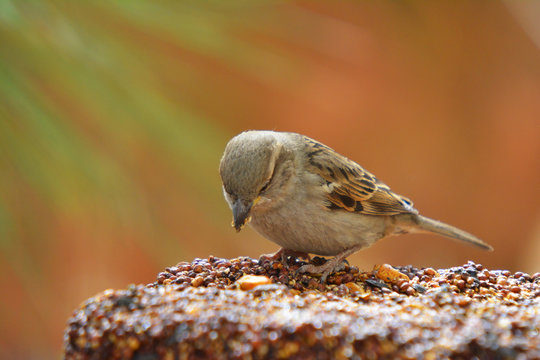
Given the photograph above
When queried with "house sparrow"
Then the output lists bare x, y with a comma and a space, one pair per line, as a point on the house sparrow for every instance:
307, 198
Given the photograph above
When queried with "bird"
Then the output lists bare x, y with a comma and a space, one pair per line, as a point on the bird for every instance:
309, 199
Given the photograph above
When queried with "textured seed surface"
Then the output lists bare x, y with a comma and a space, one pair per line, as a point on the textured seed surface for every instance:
260, 309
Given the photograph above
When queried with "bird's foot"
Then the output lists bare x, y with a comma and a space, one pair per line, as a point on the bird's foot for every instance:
283, 254
330, 266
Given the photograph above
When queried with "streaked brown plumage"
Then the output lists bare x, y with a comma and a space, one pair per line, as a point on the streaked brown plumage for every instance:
351, 187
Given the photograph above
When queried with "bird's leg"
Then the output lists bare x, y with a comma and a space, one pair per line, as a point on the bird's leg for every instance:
329, 266
283, 253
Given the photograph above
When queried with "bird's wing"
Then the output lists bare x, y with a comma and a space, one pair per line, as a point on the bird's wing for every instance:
350, 187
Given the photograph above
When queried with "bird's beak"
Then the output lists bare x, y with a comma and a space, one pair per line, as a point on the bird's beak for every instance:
241, 211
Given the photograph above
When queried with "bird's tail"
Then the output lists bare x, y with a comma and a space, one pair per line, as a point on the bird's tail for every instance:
418, 223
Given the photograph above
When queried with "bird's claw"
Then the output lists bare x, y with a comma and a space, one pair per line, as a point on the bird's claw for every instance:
314, 269
283, 254
329, 267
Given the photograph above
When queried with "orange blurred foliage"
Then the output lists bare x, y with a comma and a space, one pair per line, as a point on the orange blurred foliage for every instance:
113, 119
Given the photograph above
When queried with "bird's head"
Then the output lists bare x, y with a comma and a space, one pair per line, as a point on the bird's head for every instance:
247, 171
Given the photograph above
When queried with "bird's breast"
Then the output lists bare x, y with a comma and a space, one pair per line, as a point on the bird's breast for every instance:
308, 226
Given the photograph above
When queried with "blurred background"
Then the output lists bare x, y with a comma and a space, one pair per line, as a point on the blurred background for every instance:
114, 116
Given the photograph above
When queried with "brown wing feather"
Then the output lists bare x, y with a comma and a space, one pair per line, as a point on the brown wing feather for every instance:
352, 188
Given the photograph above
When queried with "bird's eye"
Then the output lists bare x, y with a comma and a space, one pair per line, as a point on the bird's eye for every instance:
269, 181
265, 186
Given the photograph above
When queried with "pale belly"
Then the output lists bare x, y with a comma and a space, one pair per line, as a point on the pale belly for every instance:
317, 230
